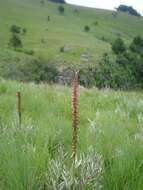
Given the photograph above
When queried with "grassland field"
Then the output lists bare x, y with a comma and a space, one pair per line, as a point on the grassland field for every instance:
110, 123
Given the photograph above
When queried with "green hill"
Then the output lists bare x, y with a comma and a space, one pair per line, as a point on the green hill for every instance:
63, 31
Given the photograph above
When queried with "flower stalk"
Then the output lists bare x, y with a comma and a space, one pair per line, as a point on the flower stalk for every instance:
75, 115
18, 95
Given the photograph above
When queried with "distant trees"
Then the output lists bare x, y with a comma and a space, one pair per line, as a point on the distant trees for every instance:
58, 1
124, 70
61, 9
128, 9
118, 46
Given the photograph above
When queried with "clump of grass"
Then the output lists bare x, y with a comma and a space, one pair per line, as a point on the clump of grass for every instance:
86, 174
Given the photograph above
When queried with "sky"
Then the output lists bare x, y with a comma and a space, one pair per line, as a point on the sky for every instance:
109, 4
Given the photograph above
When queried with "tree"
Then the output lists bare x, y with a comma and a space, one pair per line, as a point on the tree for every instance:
58, 1
118, 46
24, 30
15, 29
137, 45
87, 28
128, 9
15, 41
61, 9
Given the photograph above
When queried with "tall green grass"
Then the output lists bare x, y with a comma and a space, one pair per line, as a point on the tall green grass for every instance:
38, 156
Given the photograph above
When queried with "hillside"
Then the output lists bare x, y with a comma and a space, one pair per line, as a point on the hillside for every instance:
47, 38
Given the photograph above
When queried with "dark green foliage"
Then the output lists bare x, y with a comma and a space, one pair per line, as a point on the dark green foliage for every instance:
87, 76
128, 9
24, 30
48, 73
96, 23
39, 71
61, 9
15, 29
86, 28
48, 18
15, 41
124, 71
31, 70
118, 46
58, 1
137, 45
62, 49
26, 51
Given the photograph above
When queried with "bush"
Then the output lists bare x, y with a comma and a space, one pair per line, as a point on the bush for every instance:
118, 46
87, 76
61, 9
48, 73
95, 23
30, 69
86, 28
27, 51
15, 29
24, 30
15, 41
137, 45
62, 49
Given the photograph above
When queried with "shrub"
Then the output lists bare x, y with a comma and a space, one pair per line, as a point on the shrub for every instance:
61, 9
86, 28
62, 49
137, 45
118, 46
48, 18
87, 76
96, 23
15, 29
15, 41
48, 73
24, 30
28, 51
30, 69
39, 71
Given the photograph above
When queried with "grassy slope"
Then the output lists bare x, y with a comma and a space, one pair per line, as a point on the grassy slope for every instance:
66, 30
110, 122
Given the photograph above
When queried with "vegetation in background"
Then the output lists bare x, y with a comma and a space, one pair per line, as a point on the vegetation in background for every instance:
61, 9
67, 31
87, 28
58, 1
118, 46
128, 9
15, 41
